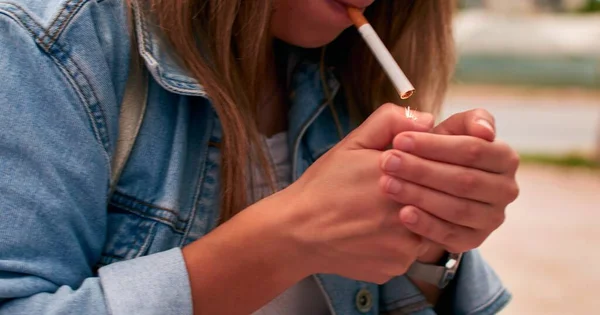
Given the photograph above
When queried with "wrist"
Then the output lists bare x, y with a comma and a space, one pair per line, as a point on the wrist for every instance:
433, 255
249, 259
290, 224
277, 230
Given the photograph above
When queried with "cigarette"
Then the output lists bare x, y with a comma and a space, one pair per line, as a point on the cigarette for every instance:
383, 55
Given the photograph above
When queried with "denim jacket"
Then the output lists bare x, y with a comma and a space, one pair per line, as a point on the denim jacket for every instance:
64, 247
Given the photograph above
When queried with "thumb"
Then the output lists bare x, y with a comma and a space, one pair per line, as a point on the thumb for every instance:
476, 123
379, 130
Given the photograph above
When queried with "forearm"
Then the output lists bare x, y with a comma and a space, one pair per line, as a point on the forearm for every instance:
245, 263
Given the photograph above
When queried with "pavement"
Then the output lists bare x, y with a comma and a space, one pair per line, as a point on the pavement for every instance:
536, 121
547, 250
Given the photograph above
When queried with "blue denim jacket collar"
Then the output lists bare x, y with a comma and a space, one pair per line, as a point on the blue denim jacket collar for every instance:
308, 98
159, 59
167, 70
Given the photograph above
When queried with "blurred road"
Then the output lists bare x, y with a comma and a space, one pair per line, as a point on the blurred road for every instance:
548, 122
532, 49
547, 250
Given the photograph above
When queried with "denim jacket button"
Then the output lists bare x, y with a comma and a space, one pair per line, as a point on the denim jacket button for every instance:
364, 301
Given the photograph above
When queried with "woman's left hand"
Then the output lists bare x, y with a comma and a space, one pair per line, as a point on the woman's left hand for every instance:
457, 182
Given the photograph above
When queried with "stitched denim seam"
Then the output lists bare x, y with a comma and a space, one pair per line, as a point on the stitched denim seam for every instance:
142, 249
67, 12
483, 308
199, 185
184, 83
173, 85
145, 208
144, 203
160, 220
90, 99
35, 29
409, 309
113, 257
398, 303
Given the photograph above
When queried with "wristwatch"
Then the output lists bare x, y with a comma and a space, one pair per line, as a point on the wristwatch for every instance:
438, 274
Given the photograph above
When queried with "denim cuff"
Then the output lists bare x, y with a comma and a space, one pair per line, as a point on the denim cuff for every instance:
477, 289
154, 284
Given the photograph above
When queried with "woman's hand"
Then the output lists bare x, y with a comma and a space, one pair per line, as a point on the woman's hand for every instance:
345, 224
457, 186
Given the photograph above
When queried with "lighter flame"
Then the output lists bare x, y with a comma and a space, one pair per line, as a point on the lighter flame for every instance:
409, 114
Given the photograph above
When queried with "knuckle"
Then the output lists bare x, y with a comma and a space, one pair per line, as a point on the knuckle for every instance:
475, 242
467, 183
500, 219
402, 268
463, 248
474, 153
513, 191
513, 160
456, 248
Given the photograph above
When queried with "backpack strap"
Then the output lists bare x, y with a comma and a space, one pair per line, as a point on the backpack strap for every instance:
133, 108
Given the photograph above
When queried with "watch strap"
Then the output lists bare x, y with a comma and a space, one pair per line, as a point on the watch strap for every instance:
440, 274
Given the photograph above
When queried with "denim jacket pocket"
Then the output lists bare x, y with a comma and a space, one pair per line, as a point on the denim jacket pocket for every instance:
133, 225
128, 235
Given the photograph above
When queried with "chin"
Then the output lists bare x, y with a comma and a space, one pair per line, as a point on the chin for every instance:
314, 40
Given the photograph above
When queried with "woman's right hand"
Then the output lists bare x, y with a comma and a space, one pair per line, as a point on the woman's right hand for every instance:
346, 225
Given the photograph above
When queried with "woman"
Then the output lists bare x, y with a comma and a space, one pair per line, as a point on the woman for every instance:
235, 86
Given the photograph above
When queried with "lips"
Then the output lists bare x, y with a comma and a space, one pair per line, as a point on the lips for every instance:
338, 14
361, 4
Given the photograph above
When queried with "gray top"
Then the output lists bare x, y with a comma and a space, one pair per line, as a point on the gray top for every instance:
306, 296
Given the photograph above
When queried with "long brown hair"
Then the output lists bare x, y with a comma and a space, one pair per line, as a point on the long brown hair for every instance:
224, 44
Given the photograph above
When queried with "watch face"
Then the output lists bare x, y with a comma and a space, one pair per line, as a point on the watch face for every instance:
447, 278
451, 268
451, 263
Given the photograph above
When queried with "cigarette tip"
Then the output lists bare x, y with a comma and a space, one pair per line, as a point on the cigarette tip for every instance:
407, 94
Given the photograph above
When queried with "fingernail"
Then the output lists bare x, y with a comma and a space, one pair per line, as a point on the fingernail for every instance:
392, 163
486, 124
406, 144
410, 217
394, 186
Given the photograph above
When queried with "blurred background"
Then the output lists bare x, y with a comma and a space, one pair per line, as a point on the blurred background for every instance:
535, 65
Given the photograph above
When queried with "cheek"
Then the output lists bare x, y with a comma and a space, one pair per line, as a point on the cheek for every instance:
308, 23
